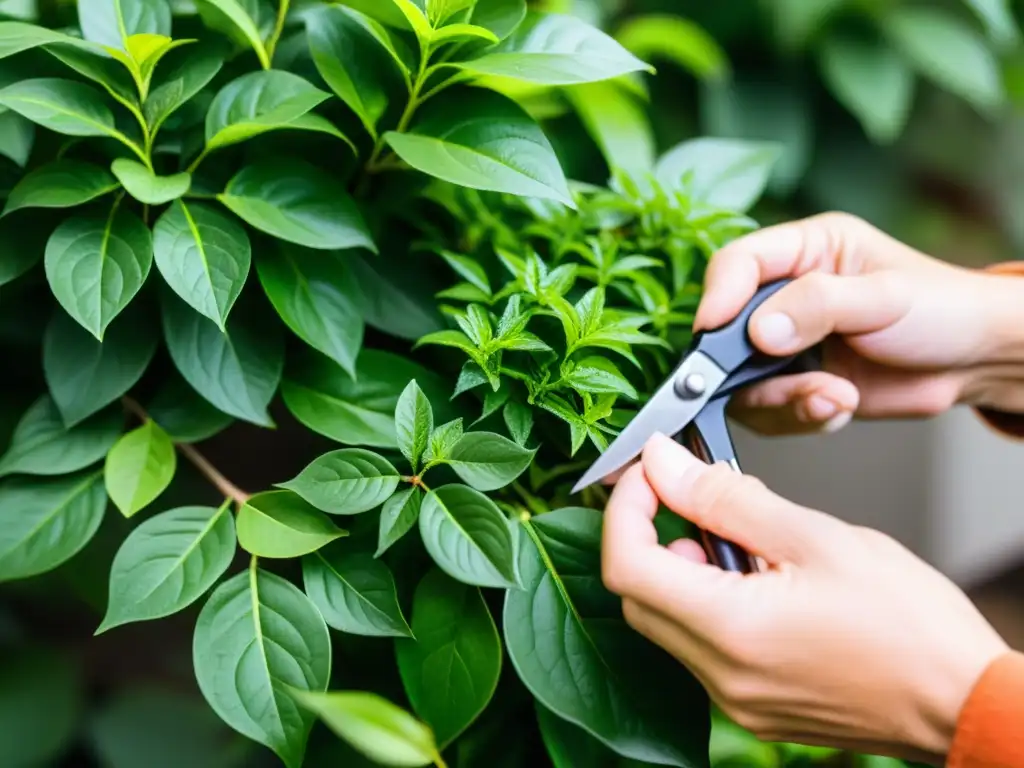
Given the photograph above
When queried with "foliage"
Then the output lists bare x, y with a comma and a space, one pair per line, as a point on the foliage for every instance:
367, 208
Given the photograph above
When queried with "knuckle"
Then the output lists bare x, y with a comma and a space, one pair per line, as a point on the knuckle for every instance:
616, 578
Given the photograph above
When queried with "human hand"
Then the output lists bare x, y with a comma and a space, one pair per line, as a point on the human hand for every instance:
847, 640
907, 335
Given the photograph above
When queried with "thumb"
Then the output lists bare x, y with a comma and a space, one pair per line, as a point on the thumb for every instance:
737, 507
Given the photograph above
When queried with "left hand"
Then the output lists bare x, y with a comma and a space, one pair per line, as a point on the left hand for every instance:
848, 640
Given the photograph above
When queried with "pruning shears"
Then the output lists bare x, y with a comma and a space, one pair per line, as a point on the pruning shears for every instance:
691, 405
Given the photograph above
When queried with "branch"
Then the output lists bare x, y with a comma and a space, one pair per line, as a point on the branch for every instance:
210, 472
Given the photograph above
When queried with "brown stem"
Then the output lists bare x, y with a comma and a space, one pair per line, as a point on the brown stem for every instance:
210, 472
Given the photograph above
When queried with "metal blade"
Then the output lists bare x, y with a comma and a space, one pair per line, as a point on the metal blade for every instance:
672, 407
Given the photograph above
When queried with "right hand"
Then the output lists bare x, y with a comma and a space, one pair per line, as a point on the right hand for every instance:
906, 335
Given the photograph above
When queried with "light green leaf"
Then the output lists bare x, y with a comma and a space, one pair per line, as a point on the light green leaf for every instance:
112, 22
499, 16
257, 637
469, 537
397, 517
355, 592
139, 468
231, 13
60, 184
997, 16
439, 11
354, 56
249, 359
295, 201
184, 414
204, 256
676, 39
360, 410
18, 36
42, 445
84, 375
729, 174
17, 136
314, 295
378, 729
556, 49
176, 87
488, 461
482, 140
95, 265
450, 670
46, 522
167, 563
596, 672
414, 421
797, 21
64, 106
416, 19
348, 481
947, 52
617, 123
456, 32
279, 524
145, 186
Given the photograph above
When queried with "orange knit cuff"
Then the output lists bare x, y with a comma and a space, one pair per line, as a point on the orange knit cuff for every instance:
1006, 424
989, 733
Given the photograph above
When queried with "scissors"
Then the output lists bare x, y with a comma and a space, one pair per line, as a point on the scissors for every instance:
691, 404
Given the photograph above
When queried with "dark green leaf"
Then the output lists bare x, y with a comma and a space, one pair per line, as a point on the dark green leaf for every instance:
314, 295
145, 186
469, 537
295, 201
499, 16
204, 256
596, 672
60, 184
45, 522
42, 445
112, 22
64, 106
451, 669
480, 139
17, 135
183, 414
414, 421
96, 265
519, 420
85, 375
722, 173
279, 524
348, 481
354, 591
257, 636
190, 75
393, 298
249, 359
22, 244
488, 461
95, 64
168, 563
598, 375
442, 440
139, 468
397, 517
618, 123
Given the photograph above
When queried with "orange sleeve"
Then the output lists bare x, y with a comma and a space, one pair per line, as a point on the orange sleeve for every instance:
989, 732
1007, 424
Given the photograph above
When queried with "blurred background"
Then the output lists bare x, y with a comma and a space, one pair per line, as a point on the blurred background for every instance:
907, 113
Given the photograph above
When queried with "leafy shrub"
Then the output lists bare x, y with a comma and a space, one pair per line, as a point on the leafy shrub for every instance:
354, 207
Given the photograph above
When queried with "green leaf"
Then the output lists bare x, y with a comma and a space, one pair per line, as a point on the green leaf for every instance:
84, 375
354, 56
145, 186
947, 52
348, 481
500, 16
17, 36
729, 174
469, 537
258, 102
60, 184
112, 22
617, 122
279, 524
228, 14
395, 298
249, 359
397, 517
295, 201
797, 21
355, 592
64, 106
442, 440
416, 19
17, 136
595, 671
167, 563
184, 414
359, 410
872, 81
469, 268
556, 49
256, 637
676, 39
22, 244
96, 265
480, 139
598, 375
42, 445
182, 82
46, 522
378, 729
519, 420
569, 745
997, 16
462, 32
414, 421
139, 468
450, 670
204, 256
488, 461
439, 11
99, 66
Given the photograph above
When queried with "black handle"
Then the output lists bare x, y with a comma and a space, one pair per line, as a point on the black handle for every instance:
726, 555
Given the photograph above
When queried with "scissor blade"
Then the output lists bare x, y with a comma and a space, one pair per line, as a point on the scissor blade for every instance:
666, 412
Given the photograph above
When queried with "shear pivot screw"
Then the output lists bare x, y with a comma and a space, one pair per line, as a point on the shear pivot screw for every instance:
691, 386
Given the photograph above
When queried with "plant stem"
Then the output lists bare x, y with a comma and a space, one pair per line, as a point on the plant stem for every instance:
195, 163
275, 36
439, 761
408, 112
210, 472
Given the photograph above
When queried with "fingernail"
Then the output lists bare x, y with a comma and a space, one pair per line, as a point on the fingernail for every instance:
837, 422
777, 330
820, 408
